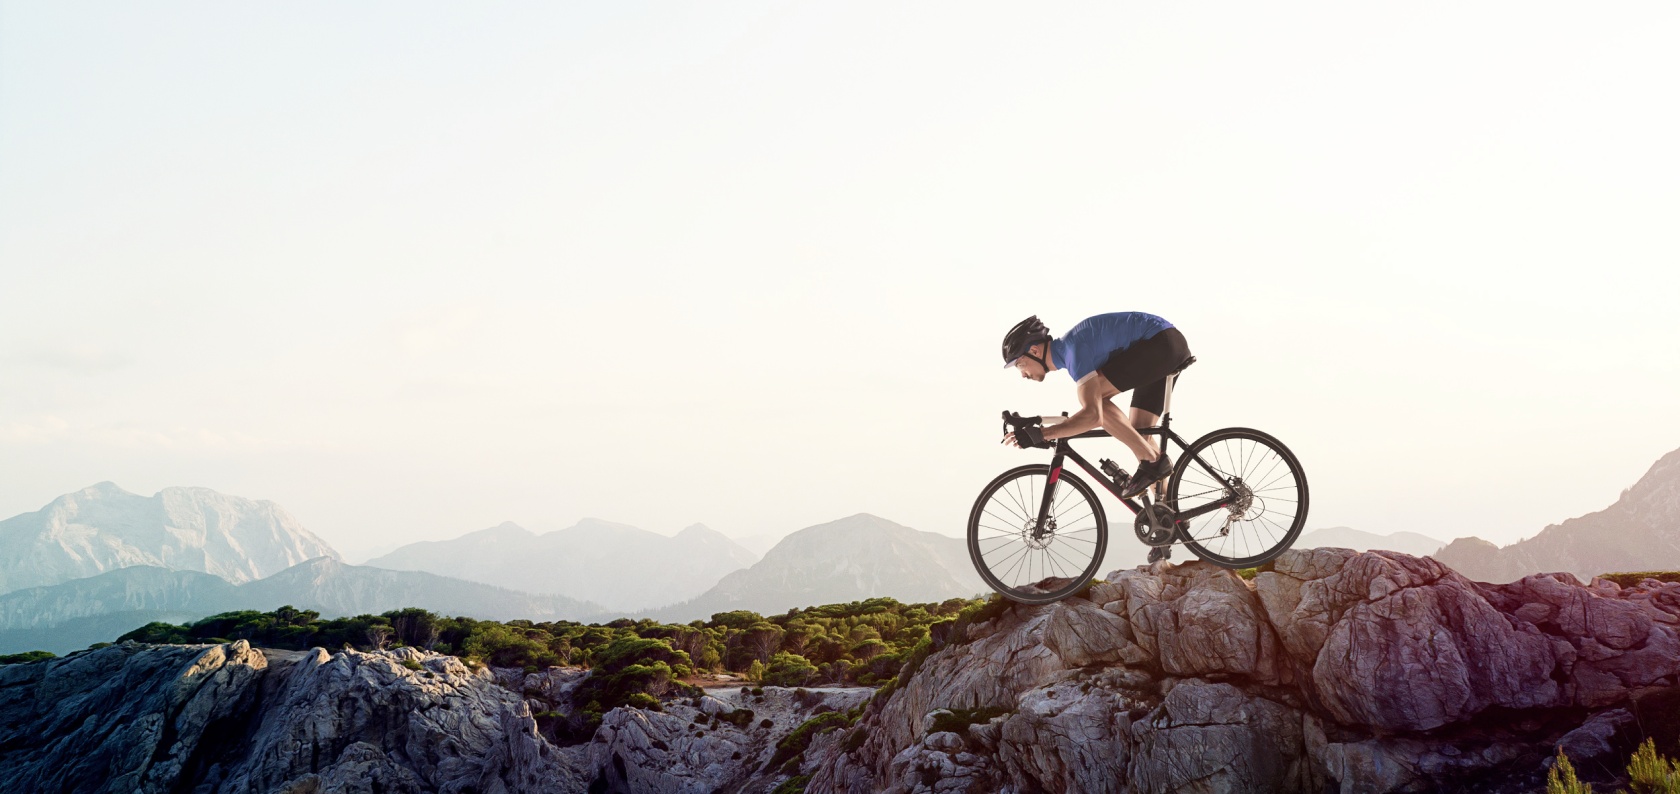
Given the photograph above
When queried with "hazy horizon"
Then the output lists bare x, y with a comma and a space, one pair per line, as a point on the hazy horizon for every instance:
412, 271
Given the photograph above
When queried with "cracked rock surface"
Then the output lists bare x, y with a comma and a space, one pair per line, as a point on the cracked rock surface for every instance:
1331, 671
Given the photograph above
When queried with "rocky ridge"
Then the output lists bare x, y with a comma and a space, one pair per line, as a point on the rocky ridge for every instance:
1332, 671
1335, 671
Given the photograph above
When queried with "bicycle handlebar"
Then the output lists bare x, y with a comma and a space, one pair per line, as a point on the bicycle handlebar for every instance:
1013, 421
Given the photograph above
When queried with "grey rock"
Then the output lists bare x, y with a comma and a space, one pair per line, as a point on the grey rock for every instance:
1335, 670
1593, 739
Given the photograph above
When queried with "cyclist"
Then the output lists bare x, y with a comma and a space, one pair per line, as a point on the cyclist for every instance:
1105, 355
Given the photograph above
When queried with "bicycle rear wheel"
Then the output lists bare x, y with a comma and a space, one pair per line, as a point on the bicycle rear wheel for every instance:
1271, 491
1029, 567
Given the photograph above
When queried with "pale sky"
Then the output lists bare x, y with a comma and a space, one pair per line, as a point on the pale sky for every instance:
411, 270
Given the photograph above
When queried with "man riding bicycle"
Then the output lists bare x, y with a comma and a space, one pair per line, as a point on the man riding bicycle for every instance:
1105, 355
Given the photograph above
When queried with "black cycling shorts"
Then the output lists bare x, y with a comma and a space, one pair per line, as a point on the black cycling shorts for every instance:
1142, 369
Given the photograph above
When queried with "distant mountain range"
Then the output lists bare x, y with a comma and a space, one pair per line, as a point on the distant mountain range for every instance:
620, 566
1348, 538
1640, 532
103, 528
855, 558
73, 614
99, 562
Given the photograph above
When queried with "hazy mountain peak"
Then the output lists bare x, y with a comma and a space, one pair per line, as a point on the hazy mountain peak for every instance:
699, 530
625, 567
596, 527
505, 531
1412, 543
1639, 532
857, 557
103, 527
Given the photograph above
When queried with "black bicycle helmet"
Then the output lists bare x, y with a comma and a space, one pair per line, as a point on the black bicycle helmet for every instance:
1024, 335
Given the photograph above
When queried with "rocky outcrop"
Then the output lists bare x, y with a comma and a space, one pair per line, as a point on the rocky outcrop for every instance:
670, 751
1333, 671
226, 718
1640, 532
230, 719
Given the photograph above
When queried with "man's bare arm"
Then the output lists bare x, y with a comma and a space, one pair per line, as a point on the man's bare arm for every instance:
1092, 392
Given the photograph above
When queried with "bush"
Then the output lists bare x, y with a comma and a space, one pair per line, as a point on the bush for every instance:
958, 720
790, 670
629, 666
507, 646
28, 656
1634, 578
1651, 773
739, 717
793, 785
793, 745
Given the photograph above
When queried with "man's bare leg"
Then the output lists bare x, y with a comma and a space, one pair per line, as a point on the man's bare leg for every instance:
1119, 426
1142, 419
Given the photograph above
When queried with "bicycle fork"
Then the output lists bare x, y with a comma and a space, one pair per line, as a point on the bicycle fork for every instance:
1041, 526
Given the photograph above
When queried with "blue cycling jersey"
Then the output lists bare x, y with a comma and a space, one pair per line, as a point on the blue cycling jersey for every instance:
1092, 340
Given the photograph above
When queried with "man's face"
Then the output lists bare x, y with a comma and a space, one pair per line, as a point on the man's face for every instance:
1029, 367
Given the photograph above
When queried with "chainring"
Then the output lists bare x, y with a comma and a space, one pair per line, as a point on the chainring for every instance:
1154, 525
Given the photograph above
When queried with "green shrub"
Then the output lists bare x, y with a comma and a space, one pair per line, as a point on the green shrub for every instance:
738, 717
793, 745
793, 785
790, 670
1561, 779
1634, 578
1650, 773
411, 664
958, 720
27, 657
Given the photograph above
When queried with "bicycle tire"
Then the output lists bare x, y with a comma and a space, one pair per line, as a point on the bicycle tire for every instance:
1210, 448
1033, 593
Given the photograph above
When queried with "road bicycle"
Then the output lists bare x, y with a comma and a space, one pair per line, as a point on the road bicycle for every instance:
1236, 497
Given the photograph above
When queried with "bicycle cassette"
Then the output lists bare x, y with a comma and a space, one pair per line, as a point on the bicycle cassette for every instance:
1154, 525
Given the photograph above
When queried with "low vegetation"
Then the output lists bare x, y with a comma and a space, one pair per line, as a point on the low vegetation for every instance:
1631, 579
1648, 773
634, 662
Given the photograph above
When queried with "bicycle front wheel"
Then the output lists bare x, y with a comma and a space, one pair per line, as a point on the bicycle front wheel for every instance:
1049, 564
1267, 485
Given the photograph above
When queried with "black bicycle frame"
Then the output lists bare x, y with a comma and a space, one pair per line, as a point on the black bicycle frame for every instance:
1064, 450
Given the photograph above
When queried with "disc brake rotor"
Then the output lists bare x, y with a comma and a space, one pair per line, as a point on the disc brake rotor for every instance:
1039, 541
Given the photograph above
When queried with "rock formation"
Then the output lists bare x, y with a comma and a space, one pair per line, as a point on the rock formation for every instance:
1335, 671
1332, 671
